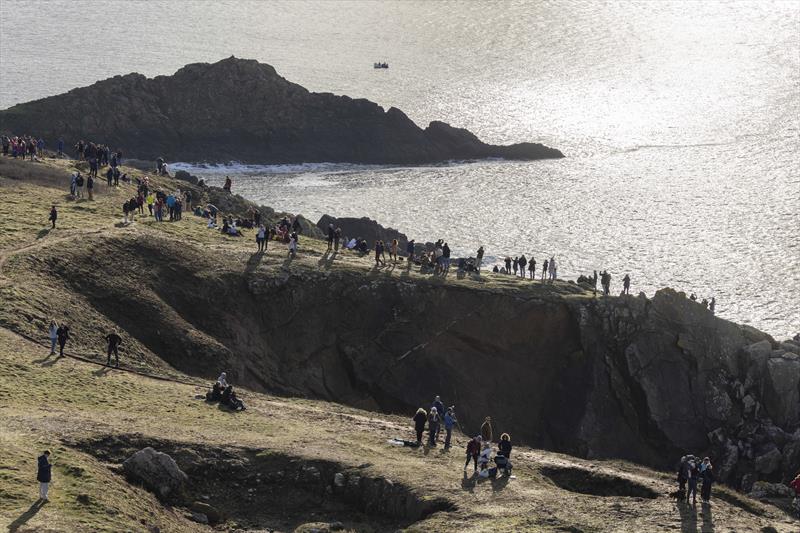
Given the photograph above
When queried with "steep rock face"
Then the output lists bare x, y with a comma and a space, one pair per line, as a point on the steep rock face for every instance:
363, 227
243, 110
630, 377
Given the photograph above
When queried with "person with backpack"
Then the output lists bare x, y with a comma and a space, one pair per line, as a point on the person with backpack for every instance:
44, 474
419, 423
114, 341
53, 216
449, 421
62, 334
508, 265
683, 476
473, 449
433, 426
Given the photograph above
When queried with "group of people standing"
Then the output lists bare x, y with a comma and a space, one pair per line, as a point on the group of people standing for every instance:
523, 267
691, 472
21, 146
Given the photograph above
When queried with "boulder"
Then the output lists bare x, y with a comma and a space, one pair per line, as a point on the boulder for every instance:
768, 462
185, 176
790, 460
212, 514
157, 471
763, 489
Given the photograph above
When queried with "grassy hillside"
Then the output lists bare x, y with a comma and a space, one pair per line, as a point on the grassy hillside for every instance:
272, 466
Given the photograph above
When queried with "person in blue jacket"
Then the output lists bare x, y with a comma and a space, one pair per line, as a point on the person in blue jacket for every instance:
43, 475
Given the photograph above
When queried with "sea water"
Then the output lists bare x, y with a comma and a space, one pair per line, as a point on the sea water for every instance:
680, 122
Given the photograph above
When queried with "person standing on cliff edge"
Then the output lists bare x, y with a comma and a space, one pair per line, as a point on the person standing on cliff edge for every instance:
228, 184
626, 284
479, 259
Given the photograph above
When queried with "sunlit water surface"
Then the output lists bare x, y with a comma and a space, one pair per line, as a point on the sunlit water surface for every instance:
680, 122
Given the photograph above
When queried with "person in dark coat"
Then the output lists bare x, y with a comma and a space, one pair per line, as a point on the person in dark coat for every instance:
692, 474
707, 476
505, 445
508, 265
114, 341
419, 423
53, 216
43, 474
486, 430
62, 334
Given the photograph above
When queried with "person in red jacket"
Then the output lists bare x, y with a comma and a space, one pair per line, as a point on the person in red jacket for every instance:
795, 484
473, 449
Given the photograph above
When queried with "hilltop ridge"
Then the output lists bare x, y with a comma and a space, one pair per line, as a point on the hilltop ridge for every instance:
242, 110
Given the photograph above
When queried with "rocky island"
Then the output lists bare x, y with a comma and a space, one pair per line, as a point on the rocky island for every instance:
242, 110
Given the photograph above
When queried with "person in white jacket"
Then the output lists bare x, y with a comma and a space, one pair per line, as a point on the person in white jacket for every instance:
53, 331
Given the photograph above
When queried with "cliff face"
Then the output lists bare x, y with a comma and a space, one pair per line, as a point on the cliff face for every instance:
243, 110
628, 377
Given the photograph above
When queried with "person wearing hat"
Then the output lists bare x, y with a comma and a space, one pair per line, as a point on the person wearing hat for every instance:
114, 341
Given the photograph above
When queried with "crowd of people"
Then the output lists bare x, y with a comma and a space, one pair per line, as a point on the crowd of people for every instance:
22, 146
479, 450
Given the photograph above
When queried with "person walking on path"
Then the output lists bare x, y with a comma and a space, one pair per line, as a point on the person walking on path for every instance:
44, 474
626, 284
62, 333
53, 331
419, 423
449, 421
479, 259
114, 341
707, 475
473, 449
532, 268
433, 426
53, 216
486, 429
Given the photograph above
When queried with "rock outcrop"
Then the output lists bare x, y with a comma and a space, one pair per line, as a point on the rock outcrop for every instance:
364, 227
157, 471
243, 110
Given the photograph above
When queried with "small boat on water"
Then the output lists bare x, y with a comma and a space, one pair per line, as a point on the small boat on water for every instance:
380, 65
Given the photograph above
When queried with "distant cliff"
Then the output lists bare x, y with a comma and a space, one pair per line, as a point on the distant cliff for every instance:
239, 109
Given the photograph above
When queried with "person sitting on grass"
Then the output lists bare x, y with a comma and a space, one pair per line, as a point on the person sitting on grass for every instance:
215, 394
229, 399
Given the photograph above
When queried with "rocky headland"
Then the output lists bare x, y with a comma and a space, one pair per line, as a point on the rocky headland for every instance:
242, 110
332, 357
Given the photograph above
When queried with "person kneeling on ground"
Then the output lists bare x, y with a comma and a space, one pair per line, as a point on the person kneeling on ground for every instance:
229, 398
503, 463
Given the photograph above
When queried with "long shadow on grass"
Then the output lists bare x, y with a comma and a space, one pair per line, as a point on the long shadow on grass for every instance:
24, 517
